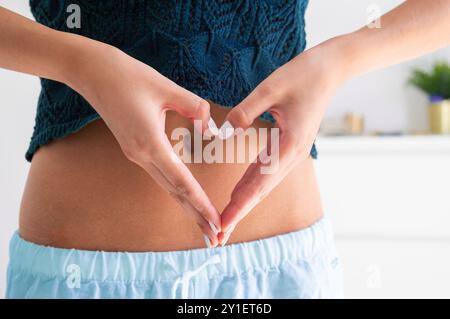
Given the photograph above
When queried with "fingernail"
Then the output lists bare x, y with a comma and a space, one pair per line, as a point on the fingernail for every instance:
226, 237
207, 241
214, 228
208, 134
226, 130
212, 129
227, 234
212, 126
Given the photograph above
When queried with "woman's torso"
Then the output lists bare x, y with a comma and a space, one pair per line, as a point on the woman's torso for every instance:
83, 193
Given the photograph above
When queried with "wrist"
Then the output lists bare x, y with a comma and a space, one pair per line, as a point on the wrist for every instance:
82, 61
335, 60
338, 58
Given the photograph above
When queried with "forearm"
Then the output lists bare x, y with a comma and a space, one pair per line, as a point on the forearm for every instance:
415, 28
29, 47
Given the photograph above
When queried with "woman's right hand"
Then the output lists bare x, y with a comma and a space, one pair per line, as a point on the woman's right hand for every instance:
132, 98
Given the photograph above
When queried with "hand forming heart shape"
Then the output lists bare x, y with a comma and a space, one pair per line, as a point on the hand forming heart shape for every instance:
298, 105
136, 114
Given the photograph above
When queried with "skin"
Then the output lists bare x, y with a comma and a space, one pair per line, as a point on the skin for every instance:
414, 28
82, 192
135, 114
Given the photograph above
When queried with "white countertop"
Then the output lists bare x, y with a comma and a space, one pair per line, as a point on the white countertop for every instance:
386, 185
388, 197
395, 144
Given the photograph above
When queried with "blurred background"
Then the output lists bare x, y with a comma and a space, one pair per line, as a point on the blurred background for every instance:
384, 154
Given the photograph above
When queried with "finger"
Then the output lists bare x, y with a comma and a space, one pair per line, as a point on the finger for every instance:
203, 224
193, 107
224, 237
184, 183
254, 185
245, 113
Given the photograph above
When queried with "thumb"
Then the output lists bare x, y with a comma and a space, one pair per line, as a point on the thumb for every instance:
193, 107
245, 113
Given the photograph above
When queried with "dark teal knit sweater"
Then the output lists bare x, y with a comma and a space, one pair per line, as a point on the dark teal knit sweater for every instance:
218, 49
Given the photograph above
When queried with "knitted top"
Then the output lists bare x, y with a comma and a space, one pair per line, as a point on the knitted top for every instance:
218, 49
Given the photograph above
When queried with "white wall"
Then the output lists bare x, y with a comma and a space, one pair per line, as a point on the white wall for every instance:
18, 96
388, 199
388, 106
383, 97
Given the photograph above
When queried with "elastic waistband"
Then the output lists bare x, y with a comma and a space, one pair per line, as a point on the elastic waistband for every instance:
158, 266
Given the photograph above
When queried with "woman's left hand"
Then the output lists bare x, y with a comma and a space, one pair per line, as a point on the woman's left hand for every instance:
296, 95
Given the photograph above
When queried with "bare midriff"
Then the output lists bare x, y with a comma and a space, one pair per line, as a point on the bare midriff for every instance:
83, 193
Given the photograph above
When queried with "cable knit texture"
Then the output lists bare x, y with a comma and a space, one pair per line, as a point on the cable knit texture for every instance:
218, 49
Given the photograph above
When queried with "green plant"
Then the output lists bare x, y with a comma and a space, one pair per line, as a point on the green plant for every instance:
435, 83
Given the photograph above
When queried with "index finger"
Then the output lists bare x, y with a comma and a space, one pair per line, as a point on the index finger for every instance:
184, 184
255, 184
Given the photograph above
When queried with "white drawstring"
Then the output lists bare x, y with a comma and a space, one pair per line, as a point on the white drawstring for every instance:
184, 279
